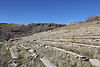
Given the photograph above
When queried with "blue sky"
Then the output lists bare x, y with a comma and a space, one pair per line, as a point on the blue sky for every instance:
47, 11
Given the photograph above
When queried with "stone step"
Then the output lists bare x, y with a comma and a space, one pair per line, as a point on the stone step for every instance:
80, 57
47, 62
95, 62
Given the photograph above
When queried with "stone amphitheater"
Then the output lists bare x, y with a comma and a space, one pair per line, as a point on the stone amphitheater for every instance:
76, 45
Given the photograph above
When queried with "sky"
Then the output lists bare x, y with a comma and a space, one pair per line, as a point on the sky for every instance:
47, 11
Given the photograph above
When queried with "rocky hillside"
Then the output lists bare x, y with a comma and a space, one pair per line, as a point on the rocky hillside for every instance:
93, 18
8, 31
76, 45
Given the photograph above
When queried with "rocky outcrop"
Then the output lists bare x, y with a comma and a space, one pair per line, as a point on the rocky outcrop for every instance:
93, 18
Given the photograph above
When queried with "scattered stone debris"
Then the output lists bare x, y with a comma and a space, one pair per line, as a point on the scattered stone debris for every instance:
12, 63
15, 39
32, 52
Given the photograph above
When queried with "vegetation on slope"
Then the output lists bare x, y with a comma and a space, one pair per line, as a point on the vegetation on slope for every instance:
4, 55
8, 31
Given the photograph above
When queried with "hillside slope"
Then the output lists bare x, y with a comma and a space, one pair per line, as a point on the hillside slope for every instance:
8, 31
76, 45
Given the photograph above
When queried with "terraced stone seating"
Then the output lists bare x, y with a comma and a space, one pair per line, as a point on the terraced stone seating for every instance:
76, 45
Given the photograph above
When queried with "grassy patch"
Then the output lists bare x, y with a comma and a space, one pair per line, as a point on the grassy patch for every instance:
61, 59
90, 52
4, 53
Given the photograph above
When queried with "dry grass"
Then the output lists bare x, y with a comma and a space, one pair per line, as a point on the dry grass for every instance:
4, 52
61, 59
71, 36
90, 52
